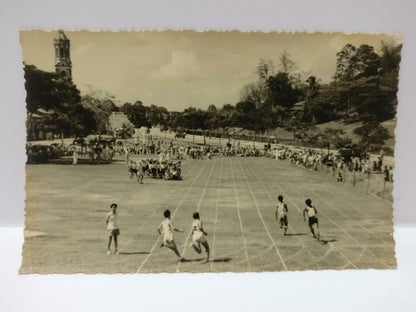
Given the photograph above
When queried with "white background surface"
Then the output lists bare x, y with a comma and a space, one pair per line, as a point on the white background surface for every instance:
293, 291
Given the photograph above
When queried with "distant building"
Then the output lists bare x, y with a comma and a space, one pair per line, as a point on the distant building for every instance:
37, 125
63, 64
118, 120
297, 109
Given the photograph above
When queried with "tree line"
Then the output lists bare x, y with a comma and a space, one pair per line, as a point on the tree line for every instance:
363, 88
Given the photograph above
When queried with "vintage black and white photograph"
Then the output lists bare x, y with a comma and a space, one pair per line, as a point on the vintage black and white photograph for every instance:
186, 151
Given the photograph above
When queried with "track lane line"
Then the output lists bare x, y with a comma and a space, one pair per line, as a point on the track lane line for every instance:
294, 204
348, 234
178, 266
290, 227
216, 217
342, 229
153, 211
179, 204
261, 218
337, 225
239, 217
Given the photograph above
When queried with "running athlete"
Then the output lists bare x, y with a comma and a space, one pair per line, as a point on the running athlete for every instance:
313, 219
132, 168
166, 228
112, 228
140, 172
281, 214
198, 236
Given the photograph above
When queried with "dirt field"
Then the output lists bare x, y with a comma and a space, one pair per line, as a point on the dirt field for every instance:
236, 197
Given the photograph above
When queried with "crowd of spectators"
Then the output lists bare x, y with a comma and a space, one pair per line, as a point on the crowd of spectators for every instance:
165, 156
335, 161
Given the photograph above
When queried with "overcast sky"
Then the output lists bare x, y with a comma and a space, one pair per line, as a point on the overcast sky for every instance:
182, 69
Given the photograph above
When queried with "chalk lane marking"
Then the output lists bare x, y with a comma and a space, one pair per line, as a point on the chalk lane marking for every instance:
261, 218
179, 204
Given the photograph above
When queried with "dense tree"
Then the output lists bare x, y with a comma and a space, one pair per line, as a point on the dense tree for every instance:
367, 61
281, 92
319, 102
390, 57
255, 92
245, 115
288, 66
372, 135
346, 63
193, 118
175, 120
47, 91
157, 115
226, 116
265, 69
61, 99
213, 120
353, 63
136, 113
102, 109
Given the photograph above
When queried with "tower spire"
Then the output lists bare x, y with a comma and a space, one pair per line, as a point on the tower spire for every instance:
63, 64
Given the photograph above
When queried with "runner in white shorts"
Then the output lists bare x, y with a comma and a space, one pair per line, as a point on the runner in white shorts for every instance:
198, 236
281, 214
166, 228
312, 213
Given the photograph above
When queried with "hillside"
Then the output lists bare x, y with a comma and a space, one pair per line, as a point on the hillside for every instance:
348, 128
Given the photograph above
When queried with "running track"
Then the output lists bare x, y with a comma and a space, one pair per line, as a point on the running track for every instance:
236, 198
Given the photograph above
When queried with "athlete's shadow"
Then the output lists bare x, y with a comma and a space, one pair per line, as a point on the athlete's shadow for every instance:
221, 260
134, 253
326, 241
193, 260
296, 234
213, 260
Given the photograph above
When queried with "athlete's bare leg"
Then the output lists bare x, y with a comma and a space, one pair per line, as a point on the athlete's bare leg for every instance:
206, 246
197, 247
316, 230
172, 245
109, 243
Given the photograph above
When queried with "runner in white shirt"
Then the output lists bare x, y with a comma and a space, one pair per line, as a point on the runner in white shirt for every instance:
112, 228
198, 236
281, 214
312, 218
166, 228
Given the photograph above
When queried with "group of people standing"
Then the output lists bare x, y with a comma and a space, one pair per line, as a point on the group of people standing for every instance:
153, 168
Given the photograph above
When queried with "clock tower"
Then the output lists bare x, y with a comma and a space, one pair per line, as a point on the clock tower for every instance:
63, 65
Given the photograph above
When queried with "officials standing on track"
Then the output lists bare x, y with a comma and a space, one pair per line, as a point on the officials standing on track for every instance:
112, 228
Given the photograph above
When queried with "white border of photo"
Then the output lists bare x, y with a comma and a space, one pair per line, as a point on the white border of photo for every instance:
367, 290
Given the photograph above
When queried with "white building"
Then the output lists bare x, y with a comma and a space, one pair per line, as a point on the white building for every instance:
118, 120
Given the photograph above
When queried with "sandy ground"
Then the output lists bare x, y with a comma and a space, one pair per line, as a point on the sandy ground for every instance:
236, 197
